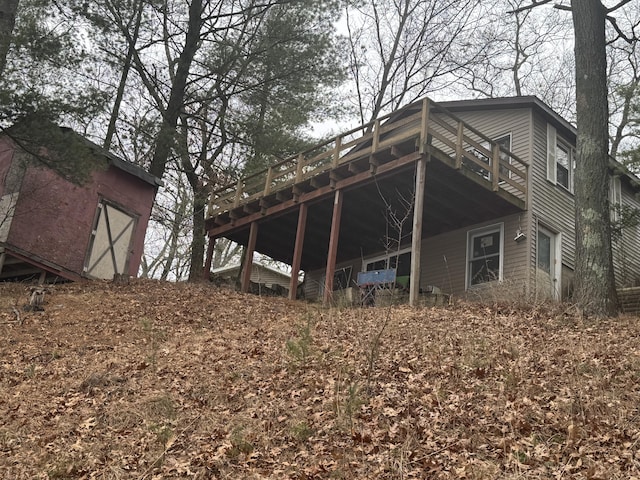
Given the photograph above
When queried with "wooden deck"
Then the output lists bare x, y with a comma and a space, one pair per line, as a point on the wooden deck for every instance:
629, 300
422, 129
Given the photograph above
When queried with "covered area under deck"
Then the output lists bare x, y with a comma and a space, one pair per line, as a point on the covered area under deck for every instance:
422, 163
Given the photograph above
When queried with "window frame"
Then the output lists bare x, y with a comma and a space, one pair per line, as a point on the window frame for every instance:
471, 236
615, 196
386, 257
555, 143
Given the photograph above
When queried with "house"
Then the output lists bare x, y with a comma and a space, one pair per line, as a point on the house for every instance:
55, 227
468, 197
265, 279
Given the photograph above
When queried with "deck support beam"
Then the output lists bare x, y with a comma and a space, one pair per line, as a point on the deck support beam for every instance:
333, 245
416, 232
248, 258
297, 250
206, 271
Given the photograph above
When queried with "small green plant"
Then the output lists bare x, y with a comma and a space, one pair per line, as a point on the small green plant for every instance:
347, 401
302, 431
155, 336
299, 348
239, 444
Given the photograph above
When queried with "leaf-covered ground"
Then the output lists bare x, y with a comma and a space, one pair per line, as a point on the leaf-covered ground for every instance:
158, 380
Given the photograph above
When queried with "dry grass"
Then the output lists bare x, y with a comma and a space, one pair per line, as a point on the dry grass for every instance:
188, 381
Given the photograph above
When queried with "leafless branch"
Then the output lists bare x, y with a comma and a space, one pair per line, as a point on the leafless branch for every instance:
533, 4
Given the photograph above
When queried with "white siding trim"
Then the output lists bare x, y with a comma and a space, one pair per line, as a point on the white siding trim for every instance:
552, 144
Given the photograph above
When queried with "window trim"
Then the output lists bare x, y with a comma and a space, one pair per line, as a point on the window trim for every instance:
615, 196
471, 235
385, 256
553, 141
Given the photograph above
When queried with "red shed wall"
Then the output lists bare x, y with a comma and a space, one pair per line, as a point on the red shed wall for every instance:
54, 217
6, 155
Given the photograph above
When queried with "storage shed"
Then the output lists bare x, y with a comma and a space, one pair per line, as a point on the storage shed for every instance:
55, 224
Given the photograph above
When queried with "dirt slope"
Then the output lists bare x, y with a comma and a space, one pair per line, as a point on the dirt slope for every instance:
158, 380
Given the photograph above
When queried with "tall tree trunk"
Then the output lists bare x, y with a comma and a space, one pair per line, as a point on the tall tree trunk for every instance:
198, 240
8, 10
165, 138
595, 284
111, 129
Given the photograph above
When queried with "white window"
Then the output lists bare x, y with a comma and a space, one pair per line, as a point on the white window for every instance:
615, 197
484, 255
400, 260
560, 160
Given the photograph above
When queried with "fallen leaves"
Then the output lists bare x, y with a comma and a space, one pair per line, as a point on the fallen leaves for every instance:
159, 380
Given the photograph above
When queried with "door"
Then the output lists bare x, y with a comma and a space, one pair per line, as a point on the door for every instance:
548, 264
110, 245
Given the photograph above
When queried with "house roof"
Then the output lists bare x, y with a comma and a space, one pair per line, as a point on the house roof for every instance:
28, 129
535, 103
236, 268
119, 163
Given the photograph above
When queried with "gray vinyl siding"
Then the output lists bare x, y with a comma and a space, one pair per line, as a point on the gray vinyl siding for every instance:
444, 257
626, 250
497, 123
551, 205
314, 278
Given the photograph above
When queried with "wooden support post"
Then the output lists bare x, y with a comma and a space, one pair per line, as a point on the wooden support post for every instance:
424, 126
248, 258
416, 233
459, 140
495, 168
333, 245
209, 259
297, 250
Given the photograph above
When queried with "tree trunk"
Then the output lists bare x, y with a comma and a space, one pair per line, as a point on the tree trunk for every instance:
198, 240
8, 10
165, 138
595, 291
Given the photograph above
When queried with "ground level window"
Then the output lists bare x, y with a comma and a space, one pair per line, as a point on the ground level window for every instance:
484, 255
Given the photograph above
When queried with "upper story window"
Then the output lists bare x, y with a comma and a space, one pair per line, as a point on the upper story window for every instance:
560, 160
615, 197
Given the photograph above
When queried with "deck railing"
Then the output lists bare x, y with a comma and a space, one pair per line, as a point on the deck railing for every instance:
432, 127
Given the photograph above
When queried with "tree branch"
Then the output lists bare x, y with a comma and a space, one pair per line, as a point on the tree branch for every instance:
533, 4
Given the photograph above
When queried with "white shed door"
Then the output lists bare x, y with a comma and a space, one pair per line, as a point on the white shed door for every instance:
110, 246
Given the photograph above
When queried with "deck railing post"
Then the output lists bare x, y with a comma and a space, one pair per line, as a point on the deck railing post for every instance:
299, 165
495, 168
459, 141
424, 126
268, 180
376, 136
236, 201
336, 152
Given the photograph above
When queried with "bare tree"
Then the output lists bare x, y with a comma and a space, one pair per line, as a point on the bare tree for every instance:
8, 10
524, 53
402, 50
